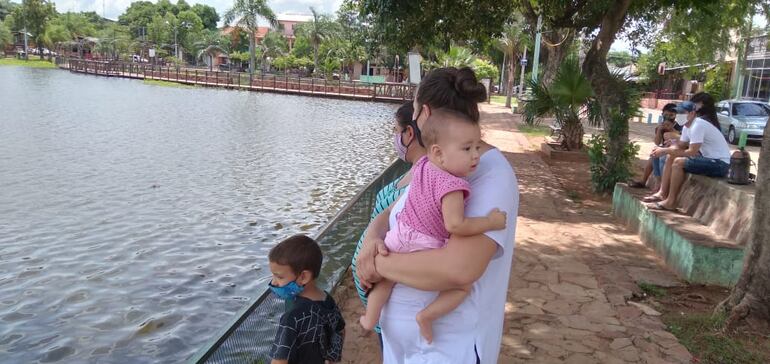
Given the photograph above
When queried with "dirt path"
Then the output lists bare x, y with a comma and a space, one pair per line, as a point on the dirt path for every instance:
573, 272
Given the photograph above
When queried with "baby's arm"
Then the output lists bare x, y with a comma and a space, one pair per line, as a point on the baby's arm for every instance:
453, 209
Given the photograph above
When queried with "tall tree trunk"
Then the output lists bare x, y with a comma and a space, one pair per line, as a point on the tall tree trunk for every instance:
748, 306
610, 93
572, 132
511, 79
315, 58
563, 39
252, 52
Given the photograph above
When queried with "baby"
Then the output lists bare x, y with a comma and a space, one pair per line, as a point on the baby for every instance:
435, 208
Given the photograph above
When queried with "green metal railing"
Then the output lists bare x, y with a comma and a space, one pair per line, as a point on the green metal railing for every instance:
247, 338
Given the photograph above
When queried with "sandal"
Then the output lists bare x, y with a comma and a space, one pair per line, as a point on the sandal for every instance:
636, 184
659, 206
652, 198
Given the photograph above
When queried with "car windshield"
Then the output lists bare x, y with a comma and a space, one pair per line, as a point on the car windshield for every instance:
750, 109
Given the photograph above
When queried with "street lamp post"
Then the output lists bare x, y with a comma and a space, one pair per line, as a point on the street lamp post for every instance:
184, 24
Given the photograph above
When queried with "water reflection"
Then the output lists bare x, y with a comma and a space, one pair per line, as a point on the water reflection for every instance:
136, 219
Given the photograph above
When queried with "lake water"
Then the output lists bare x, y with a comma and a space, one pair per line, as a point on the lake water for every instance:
135, 220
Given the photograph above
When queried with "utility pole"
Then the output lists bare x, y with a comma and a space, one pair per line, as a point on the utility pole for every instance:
26, 46
742, 57
523, 68
502, 75
536, 58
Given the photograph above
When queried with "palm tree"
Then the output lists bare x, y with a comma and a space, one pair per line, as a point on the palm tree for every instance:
247, 13
273, 46
457, 57
565, 99
211, 44
317, 31
511, 43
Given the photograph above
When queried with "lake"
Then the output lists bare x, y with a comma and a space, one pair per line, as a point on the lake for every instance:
135, 220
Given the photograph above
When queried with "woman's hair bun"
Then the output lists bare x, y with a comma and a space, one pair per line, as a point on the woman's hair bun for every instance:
468, 86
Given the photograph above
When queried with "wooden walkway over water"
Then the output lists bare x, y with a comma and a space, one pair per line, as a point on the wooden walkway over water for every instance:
306, 86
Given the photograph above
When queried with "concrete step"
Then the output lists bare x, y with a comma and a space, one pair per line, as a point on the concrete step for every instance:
689, 247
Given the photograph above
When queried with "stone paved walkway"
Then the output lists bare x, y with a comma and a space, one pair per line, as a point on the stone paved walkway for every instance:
574, 270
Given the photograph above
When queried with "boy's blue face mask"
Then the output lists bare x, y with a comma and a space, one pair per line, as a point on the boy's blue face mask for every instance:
288, 291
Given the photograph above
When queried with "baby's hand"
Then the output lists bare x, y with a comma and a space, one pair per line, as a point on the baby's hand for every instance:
497, 218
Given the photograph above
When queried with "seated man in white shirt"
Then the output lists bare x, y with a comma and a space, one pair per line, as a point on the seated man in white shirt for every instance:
702, 149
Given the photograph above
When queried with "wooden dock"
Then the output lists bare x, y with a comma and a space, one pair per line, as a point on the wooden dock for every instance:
306, 86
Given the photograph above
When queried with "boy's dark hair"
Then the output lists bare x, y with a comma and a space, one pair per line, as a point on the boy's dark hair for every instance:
670, 107
300, 253
439, 120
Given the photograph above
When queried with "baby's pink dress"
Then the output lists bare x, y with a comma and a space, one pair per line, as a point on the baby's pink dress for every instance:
420, 225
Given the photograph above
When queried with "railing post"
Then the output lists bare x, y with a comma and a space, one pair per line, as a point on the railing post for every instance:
324, 86
339, 89
239, 79
312, 85
177, 75
354, 88
196, 76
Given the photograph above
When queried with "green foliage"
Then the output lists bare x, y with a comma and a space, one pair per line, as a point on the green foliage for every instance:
619, 58
456, 56
602, 178
704, 336
302, 47
36, 14
563, 99
485, 69
246, 14
652, 290
6, 37
6, 8
402, 25
289, 62
718, 82
139, 15
207, 14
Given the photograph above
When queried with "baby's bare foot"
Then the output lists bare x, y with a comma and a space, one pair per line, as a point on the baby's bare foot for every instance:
426, 326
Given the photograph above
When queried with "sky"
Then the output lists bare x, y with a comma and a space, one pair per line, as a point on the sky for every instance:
113, 8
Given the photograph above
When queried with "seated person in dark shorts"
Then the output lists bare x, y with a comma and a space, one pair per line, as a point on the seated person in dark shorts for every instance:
702, 149
666, 134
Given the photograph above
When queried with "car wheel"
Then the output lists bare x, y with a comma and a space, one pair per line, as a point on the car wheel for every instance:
731, 136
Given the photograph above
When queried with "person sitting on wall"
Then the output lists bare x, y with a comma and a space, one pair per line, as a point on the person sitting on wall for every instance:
666, 134
702, 150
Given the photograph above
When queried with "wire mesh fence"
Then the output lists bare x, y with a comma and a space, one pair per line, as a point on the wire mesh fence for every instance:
247, 339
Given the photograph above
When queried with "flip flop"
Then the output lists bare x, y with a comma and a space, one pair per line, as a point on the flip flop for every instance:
652, 198
636, 184
659, 206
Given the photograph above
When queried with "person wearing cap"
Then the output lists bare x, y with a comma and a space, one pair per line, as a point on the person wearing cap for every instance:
702, 150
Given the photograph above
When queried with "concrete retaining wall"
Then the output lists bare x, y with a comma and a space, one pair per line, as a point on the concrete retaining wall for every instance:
688, 247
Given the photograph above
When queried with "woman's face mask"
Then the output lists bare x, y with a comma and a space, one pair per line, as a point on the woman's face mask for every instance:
398, 144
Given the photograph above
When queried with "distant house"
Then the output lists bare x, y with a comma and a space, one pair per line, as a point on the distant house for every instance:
287, 23
17, 44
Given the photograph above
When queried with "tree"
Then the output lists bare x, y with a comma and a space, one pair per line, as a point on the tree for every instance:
619, 59
456, 56
189, 28
273, 45
208, 15
34, 15
511, 42
139, 15
404, 25
485, 69
6, 8
316, 31
748, 305
5, 36
564, 98
211, 44
247, 13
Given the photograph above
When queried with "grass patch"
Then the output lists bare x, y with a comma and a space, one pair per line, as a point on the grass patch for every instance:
166, 84
652, 290
32, 63
534, 130
701, 335
574, 196
500, 100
